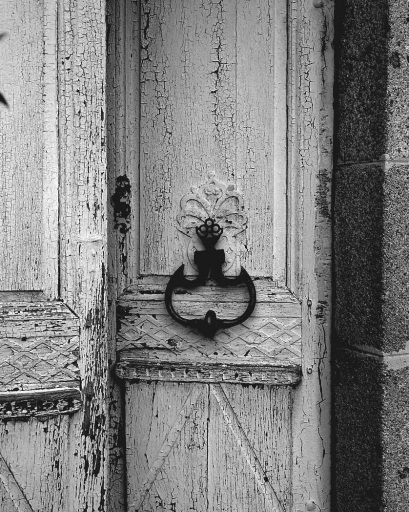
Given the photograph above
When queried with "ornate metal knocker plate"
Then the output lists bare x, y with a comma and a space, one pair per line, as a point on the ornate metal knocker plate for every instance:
209, 263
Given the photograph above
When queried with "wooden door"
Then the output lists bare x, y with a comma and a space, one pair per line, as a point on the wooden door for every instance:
53, 357
223, 110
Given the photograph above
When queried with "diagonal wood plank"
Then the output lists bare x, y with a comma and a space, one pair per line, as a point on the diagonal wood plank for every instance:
167, 445
248, 452
13, 489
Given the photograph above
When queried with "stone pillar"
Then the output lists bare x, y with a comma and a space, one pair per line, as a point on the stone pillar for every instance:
371, 233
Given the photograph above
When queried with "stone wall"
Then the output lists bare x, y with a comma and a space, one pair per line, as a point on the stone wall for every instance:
371, 247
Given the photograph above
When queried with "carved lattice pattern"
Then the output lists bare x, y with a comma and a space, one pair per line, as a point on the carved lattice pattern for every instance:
39, 346
258, 339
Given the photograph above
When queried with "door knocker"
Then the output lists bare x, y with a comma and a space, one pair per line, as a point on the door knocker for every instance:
209, 263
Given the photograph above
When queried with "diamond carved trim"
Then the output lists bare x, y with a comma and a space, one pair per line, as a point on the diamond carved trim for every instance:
149, 338
159, 337
39, 346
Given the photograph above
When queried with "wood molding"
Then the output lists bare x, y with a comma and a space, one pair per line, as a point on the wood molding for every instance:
310, 154
39, 403
39, 345
187, 371
272, 335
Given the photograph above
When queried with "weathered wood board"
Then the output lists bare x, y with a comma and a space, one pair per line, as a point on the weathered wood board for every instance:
212, 99
53, 230
39, 474
208, 447
29, 156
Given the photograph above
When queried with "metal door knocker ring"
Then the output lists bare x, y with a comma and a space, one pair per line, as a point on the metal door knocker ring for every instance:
209, 263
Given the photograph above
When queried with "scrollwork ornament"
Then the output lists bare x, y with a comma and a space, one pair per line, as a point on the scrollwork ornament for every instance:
221, 202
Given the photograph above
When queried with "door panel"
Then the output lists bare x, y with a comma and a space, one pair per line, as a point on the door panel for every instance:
213, 99
208, 447
162, 420
39, 334
29, 157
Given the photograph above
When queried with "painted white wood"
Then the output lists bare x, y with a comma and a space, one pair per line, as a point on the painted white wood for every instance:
249, 444
211, 95
83, 235
42, 457
22, 140
39, 345
261, 144
54, 229
168, 110
29, 181
311, 71
12, 489
50, 154
167, 450
123, 209
198, 446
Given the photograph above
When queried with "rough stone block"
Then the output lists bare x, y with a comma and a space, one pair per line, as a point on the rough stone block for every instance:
358, 391
371, 245
361, 80
358, 225
398, 79
371, 425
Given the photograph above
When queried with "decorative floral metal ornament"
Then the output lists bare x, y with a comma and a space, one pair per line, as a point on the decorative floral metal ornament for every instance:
222, 207
222, 203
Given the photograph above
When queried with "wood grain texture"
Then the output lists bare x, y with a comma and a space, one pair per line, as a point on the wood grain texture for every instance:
123, 106
122, 96
202, 110
57, 46
166, 455
29, 156
13, 494
83, 238
249, 448
39, 403
309, 156
131, 368
204, 448
39, 345
271, 335
44, 467
311, 72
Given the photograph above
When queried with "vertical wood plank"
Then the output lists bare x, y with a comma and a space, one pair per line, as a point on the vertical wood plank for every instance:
123, 47
123, 138
16, 499
312, 163
42, 455
6, 502
50, 259
83, 252
182, 116
213, 88
261, 132
22, 146
167, 446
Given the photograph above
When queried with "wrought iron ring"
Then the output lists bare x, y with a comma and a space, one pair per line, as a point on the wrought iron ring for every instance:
209, 263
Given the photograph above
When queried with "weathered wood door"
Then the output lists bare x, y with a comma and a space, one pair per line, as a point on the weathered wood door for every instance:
232, 98
222, 110
53, 231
